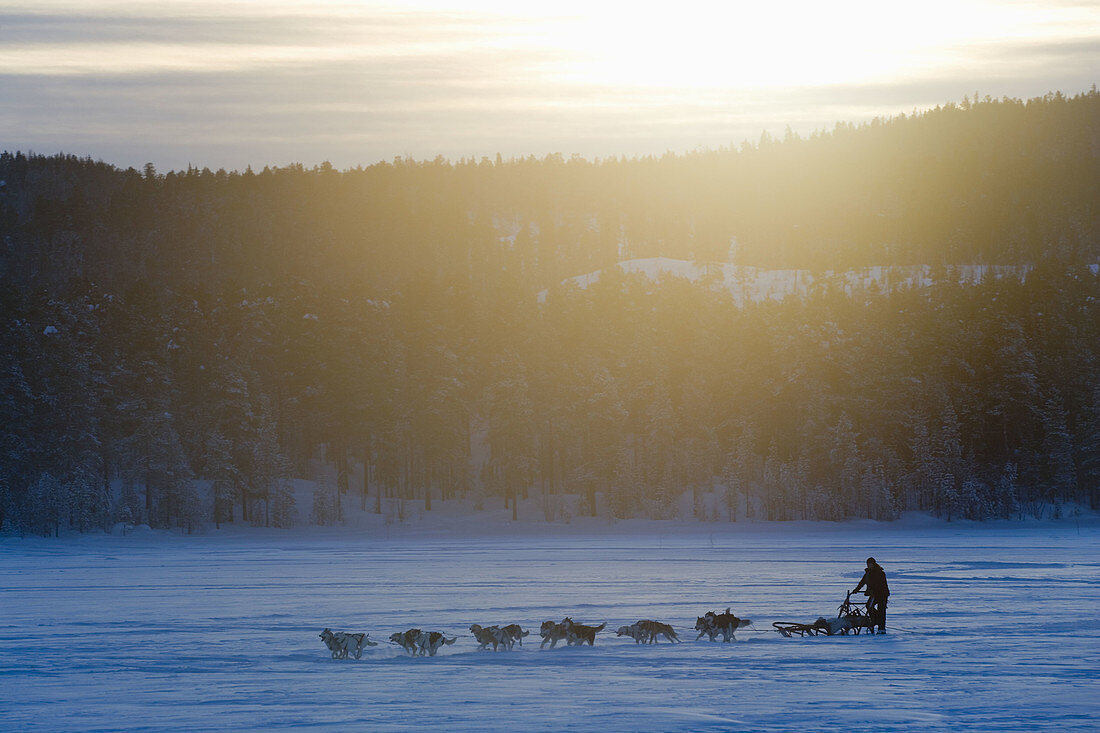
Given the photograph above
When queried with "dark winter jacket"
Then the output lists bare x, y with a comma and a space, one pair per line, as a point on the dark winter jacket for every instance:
875, 580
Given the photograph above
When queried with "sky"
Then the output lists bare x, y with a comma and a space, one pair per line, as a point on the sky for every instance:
236, 83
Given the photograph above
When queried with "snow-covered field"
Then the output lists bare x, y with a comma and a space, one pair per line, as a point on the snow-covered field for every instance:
993, 627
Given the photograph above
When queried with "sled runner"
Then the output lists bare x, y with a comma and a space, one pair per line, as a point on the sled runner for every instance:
852, 617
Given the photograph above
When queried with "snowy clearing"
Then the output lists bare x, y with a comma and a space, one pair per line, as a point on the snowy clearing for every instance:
992, 628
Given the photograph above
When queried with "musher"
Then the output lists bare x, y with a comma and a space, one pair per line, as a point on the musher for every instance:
875, 580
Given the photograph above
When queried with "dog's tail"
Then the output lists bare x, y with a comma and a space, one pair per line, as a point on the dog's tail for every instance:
602, 626
449, 641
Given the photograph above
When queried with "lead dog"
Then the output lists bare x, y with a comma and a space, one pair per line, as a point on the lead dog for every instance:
341, 644
712, 624
579, 633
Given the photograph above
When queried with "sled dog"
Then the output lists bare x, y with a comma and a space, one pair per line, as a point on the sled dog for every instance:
514, 633
712, 624
341, 644
429, 642
653, 629
579, 633
489, 635
656, 628
407, 640
632, 631
646, 632
551, 632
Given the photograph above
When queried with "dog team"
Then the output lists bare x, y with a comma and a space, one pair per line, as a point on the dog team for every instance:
417, 643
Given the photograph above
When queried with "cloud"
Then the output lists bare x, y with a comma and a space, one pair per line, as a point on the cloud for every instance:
354, 87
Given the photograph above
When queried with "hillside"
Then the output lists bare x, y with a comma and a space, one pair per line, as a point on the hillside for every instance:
177, 346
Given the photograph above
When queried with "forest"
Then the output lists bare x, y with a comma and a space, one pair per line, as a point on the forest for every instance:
175, 347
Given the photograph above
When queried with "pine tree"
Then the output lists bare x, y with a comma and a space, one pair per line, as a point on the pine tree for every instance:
1057, 470
45, 506
283, 508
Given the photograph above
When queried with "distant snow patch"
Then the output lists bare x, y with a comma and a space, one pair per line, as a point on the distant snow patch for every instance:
752, 284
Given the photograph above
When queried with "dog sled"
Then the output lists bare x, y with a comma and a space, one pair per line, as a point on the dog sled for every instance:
852, 617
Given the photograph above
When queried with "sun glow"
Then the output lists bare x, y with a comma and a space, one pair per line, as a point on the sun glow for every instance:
791, 43
794, 44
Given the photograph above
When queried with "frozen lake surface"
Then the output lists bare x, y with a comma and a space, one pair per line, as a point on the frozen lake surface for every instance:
992, 628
